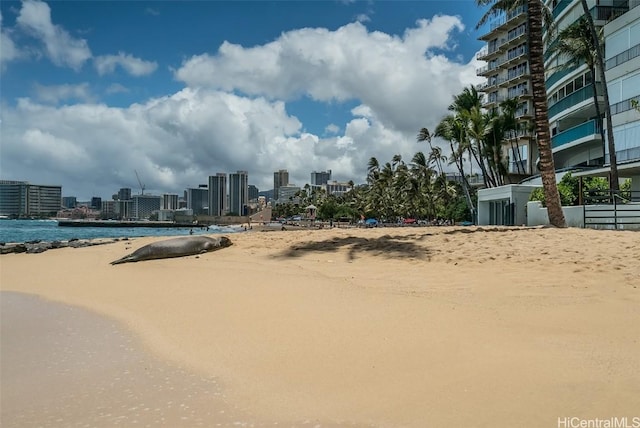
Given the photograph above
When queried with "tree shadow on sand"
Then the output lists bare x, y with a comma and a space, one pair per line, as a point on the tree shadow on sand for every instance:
391, 247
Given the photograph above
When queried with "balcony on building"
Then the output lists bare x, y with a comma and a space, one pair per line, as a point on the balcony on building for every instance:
512, 18
577, 100
607, 10
515, 77
578, 134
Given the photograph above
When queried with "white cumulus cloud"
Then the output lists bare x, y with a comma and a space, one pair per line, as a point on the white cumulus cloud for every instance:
106, 64
232, 115
400, 78
8, 49
57, 93
60, 47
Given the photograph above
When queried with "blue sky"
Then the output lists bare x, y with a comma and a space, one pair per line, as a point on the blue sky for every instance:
93, 90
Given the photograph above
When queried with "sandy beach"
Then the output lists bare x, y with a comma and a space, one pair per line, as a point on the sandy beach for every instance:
388, 327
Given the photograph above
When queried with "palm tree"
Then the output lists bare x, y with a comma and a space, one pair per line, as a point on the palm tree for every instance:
477, 123
599, 57
577, 44
535, 11
453, 130
511, 125
436, 152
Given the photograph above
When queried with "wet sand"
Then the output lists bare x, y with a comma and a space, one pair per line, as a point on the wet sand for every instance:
408, 327
64, 366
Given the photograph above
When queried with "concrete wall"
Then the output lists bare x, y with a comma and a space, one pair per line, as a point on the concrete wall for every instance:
537, 215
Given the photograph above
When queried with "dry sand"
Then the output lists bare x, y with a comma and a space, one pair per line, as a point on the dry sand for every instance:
398, 327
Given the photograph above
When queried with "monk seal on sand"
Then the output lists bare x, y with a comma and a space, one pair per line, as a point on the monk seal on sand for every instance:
176, 247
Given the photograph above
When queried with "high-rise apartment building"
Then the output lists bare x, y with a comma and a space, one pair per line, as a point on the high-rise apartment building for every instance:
69, 202
21, 199
318, 179
253, 193
576, 135
280, 178
508, 77
198, 200
124, 194
622, 68
169, 201
238, 192
145, 205
218, 194
96, 202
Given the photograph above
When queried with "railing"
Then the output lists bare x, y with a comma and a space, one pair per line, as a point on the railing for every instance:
518, 92
610, 209
512, 36
508, 17
623, 57
573, 99
586, 129
559, 75
626, 154
607, 13
623, 106
518, 167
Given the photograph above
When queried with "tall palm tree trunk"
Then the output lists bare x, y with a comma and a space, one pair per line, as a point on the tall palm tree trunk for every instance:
614, 182
599, 119
541, 114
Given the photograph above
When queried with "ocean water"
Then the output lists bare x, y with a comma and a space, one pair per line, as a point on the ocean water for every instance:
48, 230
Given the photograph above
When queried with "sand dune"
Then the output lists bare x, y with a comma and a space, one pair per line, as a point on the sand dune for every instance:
387, 327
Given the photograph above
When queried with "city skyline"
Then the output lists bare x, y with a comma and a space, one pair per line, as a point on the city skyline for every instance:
249, 85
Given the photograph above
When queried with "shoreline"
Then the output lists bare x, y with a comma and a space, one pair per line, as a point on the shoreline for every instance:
382, 327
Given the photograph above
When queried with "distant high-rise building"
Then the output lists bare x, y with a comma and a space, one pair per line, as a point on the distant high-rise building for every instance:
145, 205
288, 194
238, 192
96, 203
108, 209
218, 194
124, 194
280, 178
19, 198
198, 200
69, 201
336, 188
253, 193
169, 201
319, 179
